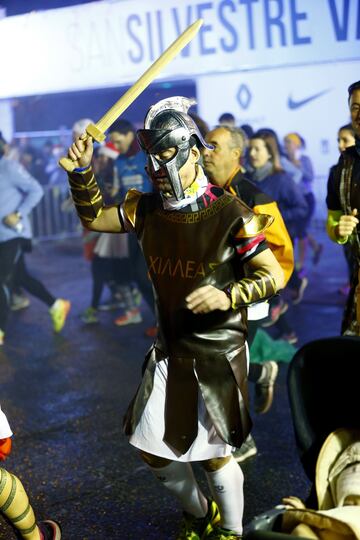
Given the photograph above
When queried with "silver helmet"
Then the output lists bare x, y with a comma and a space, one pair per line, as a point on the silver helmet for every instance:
167, 125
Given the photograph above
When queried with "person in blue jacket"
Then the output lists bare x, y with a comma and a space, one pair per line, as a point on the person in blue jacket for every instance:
20, 193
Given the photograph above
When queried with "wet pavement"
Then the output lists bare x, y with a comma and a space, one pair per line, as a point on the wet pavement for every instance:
65, 396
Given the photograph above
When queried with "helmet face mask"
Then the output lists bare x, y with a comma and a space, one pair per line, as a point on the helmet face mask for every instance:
167, 125
170, 168
165, 175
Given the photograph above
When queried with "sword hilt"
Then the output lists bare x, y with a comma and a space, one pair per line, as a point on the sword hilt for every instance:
67, 164
91, 131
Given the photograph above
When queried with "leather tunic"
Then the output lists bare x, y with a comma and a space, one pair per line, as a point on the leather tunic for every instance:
185, 251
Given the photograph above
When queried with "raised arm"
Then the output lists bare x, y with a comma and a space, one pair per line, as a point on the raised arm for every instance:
85, 192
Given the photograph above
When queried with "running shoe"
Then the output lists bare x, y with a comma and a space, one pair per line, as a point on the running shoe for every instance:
193, 528
58, 313
49, 530
132, 316
264, 387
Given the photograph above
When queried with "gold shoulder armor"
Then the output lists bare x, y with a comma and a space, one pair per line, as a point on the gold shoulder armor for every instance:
130, 203
256, 225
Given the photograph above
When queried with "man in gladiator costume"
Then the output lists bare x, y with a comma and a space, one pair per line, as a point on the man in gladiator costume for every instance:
207, 260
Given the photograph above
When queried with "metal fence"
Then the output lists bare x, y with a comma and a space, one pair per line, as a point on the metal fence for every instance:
55, 217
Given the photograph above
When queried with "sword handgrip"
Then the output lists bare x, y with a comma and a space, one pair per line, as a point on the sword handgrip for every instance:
91, 131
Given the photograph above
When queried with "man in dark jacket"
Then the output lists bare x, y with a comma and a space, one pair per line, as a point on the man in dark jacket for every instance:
343, 202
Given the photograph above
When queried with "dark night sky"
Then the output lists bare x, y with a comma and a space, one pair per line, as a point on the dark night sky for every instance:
18, 7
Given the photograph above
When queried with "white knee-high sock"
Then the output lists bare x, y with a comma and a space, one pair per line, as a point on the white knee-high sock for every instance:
178, 477
226, 485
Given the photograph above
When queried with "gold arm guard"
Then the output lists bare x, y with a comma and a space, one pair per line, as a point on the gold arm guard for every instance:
260, 286
86, 195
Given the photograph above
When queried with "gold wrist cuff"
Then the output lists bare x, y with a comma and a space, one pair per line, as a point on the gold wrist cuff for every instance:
86, 195
260, 286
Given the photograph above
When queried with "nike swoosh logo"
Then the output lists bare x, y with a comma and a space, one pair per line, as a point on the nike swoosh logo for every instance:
296, 104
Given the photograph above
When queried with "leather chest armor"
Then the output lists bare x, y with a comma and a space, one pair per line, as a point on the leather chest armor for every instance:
185, 251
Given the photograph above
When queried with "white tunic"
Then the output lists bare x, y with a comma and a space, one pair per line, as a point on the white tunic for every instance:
149, 433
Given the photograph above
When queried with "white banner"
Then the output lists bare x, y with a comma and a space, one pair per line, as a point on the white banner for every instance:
311, 100
111, 43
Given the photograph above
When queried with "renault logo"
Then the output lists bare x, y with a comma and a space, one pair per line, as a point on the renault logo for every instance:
244, 96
